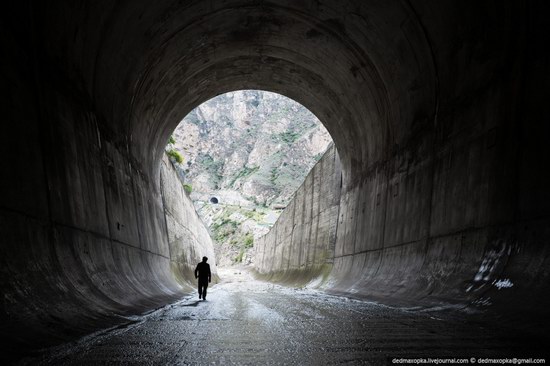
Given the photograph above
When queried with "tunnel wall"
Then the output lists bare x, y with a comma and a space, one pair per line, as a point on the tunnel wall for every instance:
432, 222
450, 218
456, 215
435, 226
188, 238
87, 241
300, 246
84, 235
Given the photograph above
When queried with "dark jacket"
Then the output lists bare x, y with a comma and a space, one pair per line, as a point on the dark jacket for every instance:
203, 271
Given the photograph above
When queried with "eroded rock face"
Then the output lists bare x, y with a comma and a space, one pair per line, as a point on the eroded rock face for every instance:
259, 143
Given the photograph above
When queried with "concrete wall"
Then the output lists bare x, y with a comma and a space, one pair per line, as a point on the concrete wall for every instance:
442, 223
449, 220
84, 235
450, 216
188, 238
300, 246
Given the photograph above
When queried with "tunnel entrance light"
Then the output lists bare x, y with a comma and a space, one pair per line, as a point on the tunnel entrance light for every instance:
251, 150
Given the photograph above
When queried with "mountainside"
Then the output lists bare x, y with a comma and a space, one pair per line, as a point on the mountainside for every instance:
249, 151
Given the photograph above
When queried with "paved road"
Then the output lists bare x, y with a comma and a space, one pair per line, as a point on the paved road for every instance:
250, 322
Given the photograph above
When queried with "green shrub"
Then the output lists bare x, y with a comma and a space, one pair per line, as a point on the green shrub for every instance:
223, 228
172, 140
244, 173
289, 137
213, 167
249, 240
188, 188
174, 154
239, 258
274, 175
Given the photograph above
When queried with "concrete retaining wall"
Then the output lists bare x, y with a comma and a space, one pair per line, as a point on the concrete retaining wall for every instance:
188, 238
300, 246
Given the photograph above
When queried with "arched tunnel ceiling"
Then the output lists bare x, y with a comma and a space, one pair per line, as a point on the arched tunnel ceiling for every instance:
364, 68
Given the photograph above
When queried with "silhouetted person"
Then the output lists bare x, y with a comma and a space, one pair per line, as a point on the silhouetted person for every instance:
202, 272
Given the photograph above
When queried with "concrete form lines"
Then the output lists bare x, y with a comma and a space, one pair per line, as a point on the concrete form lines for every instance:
53, 224
450, 234
99, 235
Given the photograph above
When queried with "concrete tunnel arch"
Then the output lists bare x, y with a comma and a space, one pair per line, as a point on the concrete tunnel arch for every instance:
306, 74
424, 103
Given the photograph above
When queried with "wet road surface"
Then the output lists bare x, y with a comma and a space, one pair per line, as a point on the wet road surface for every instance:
249, 322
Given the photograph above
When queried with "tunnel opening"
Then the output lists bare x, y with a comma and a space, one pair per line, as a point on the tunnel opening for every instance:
245, 152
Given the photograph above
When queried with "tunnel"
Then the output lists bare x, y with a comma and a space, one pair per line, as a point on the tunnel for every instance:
436, 108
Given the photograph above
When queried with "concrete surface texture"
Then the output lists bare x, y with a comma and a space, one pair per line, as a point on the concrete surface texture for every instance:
130, 256
247, 322
188, 238
299, 248
437, 111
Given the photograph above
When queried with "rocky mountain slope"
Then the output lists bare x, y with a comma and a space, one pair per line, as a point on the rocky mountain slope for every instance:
244, 155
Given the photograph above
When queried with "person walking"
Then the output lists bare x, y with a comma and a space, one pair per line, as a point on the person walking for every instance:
202, 272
